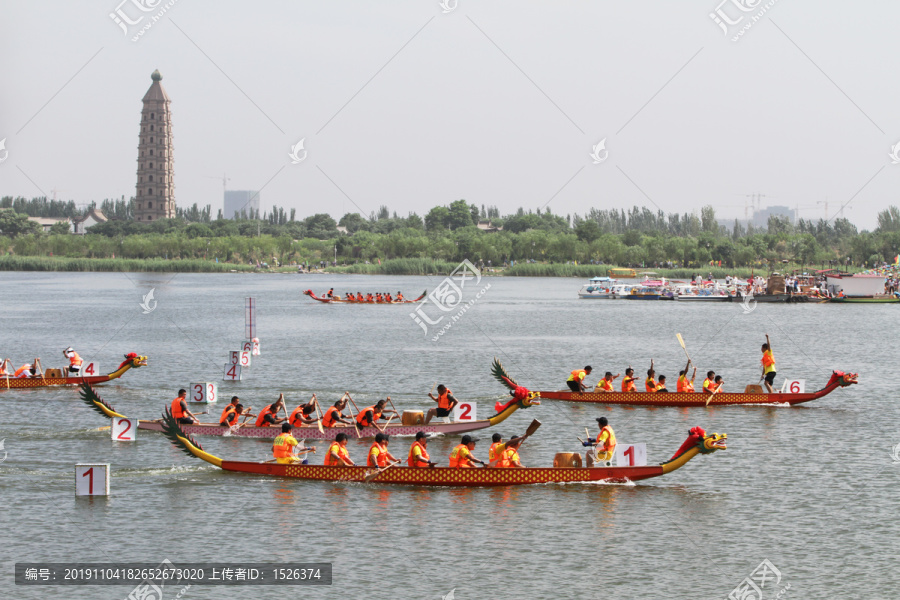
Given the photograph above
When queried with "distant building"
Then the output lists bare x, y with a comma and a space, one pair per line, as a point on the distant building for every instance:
46, 222
761, 217
488, 226
156, 164
80, 225
240, 202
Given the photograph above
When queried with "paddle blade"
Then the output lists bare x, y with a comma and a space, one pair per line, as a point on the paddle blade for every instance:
533, 427
680, 340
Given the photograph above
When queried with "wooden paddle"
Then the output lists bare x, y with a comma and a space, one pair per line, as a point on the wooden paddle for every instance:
708, 398
531, 429
318, 415
683, 347
383, 429
372, 476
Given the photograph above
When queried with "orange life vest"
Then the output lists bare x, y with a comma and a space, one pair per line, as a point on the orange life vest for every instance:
260, 420
226, 416
381, 457
605, 385
493, 451
610, 444
363, 419
281, 448
75, 360
688, 385
713, 386
505, 458
577, 375
707, 384
399, 297
388, 298
294, 419
336, 448
456, 460
330, 417
628, 384
177, 411
768, 361
650, 384
443, 401
411, 459
22, 371
359, 297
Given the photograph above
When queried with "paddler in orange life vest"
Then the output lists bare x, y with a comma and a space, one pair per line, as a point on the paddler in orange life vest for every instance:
301, 415
606, 384
333, 415
269, 415
399, 296
180, 410
368, 417
285, 446
650, 383
461, 457
5, 367
509, 456
74, 360
445, 403
684, 384
330, 293
234, 407
496, 449
606, 443
628, 381
768, 363
26, 370
418, 452
379, 456
576, 379
661, 386
337, 455
709, 384
359, 297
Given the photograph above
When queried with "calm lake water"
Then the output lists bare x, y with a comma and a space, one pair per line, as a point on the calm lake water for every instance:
812, 489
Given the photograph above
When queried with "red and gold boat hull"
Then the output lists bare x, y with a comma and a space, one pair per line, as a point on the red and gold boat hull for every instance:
347, 300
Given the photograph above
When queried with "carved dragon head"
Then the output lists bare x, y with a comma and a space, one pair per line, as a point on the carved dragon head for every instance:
520, 394
705, 444
713, 442
134, 360
844, 379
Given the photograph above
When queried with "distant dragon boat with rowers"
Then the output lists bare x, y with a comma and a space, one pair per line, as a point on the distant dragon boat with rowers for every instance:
697, 443
838, 379
360, 299
503, 408
132, 361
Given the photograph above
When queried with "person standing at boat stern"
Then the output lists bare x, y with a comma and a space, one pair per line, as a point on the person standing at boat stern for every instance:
180, 410
576, 379
768, 363
445, 401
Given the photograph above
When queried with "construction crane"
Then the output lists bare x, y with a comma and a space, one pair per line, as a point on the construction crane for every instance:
224, 179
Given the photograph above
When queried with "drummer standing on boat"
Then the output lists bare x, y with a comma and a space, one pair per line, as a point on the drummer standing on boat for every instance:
768, 363
576, 379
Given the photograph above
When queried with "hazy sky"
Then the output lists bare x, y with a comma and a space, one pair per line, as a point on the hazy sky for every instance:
500, 103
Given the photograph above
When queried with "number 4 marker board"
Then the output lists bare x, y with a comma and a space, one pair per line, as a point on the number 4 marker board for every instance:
92, 479
232, 373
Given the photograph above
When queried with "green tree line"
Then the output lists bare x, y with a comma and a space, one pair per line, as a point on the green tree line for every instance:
638, 238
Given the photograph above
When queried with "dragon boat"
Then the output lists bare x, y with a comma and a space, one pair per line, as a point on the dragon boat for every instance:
838, 379
132, 361
311, 432
351, 300
697, 443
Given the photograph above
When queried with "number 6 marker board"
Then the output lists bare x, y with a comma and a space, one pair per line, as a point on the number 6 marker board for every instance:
795, 386
92, 479
464, 412
124, 430
631, 455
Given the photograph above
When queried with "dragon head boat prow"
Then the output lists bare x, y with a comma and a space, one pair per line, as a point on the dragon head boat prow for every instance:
520, 394
843, 379
698, 442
